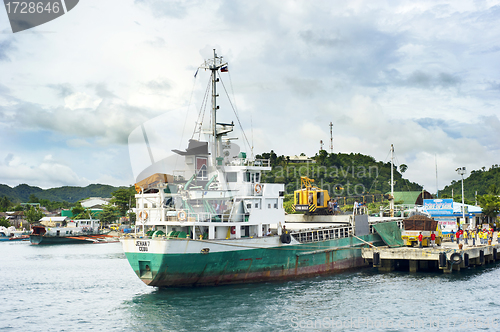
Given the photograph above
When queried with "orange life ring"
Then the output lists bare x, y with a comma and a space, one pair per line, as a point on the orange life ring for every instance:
258, 188
143, 215
181, 215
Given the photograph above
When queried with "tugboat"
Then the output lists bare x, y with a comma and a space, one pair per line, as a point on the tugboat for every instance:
216, 223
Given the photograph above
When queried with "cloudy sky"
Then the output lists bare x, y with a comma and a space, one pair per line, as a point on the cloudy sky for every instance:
422, 75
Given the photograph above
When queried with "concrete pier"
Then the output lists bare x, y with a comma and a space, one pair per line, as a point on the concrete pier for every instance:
447, 257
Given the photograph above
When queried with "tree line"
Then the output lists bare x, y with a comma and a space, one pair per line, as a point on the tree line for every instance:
122, 201
341, 174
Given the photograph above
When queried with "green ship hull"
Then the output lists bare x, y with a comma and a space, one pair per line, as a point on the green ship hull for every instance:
250, 265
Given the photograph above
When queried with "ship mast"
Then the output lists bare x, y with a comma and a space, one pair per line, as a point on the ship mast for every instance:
214, 65
214, 70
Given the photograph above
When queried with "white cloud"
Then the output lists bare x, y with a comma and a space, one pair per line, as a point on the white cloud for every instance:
46, 174
420, 75
81, 100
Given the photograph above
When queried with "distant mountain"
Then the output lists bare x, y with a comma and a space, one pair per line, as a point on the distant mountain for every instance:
22, 192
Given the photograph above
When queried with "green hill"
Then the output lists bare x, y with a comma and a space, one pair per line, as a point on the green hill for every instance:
341, 174
22, 192
478, 180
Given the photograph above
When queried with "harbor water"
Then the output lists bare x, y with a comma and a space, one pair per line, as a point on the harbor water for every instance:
92, 287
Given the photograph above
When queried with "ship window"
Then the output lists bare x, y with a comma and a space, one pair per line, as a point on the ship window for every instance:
249, 206
231, 177
202, 173
256, 205
247, 177
201, 167
145, 205
253, 177
272, 203
153, 205
257, 177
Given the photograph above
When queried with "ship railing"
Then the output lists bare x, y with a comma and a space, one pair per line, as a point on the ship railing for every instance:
209, 217
323, 234
248, 162
373, 231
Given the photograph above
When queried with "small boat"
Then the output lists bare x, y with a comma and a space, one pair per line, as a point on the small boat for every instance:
10, 234
73, 232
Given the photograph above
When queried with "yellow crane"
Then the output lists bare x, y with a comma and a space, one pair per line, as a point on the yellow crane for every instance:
309, 198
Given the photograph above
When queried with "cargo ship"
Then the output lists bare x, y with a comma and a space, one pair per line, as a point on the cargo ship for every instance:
215, 222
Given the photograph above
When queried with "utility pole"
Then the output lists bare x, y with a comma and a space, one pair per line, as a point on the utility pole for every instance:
461, 171
392, 181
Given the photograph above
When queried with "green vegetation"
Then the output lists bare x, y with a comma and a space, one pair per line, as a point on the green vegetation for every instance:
4, 222
109, 214
490, 202
79, 212
33, 214
478, 180
340, 173
64, 196
124, 199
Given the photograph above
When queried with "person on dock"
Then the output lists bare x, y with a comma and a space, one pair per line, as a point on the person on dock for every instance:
452, 236
481, 237
466, 237
356, 207
420, 239
457, 235
433, 239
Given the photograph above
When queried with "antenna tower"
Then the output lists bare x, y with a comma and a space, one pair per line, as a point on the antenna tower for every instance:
331, 137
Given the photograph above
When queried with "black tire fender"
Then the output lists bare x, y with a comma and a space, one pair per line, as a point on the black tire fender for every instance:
456, 258
286, 238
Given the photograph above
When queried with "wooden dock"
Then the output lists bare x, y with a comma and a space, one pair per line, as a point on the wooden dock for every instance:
447, 257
